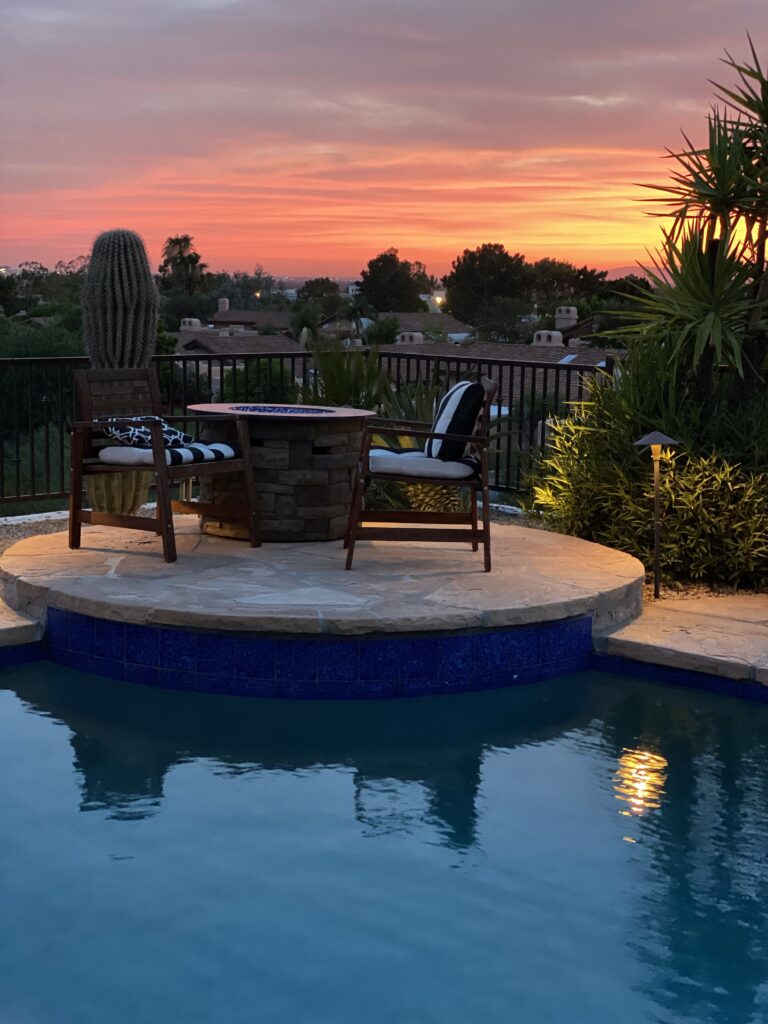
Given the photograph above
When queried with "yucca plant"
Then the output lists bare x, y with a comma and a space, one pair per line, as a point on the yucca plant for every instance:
701, 303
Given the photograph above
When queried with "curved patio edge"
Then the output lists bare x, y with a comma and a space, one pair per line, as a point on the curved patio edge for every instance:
287, 620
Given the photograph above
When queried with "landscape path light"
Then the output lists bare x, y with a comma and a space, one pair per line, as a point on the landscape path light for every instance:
656, 441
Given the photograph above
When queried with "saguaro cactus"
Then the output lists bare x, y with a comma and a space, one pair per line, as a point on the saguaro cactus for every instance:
119, 303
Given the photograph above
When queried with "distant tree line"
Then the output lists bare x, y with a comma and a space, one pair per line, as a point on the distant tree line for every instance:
500, 294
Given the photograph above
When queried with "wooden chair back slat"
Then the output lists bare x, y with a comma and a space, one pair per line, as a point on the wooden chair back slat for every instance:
104, 393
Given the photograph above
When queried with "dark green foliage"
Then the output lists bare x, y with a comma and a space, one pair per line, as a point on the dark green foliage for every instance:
175, 304
507, 319
120, 302
39, 467
345, 377
324, 291
383, 332
307, 318
480, 275
182, 267
391, 284
594, 483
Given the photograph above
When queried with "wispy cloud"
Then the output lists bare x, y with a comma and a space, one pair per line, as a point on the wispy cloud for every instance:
307, 136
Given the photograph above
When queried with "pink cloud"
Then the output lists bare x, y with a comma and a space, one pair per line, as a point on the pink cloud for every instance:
307, 137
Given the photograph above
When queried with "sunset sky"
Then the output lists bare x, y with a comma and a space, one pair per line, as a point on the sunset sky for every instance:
308, 135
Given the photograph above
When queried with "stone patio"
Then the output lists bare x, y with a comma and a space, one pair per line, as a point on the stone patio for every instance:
303, 588
724, 636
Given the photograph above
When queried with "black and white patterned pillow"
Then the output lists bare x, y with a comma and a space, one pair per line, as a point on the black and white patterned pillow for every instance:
141, 437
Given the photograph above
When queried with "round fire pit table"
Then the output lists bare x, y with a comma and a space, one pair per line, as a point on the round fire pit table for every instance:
303, 459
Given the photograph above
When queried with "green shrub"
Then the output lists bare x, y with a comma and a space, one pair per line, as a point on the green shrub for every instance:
592, 481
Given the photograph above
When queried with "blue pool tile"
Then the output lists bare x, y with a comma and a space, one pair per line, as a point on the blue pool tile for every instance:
109, 639
338, 660
506, 653
142, 645
747, 689
458, 660
255, 657
380, 658
296, 659
216, 654
178, 650
81, 633
57, 628
419, 656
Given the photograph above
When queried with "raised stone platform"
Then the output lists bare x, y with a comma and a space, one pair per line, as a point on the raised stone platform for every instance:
303, 588
286, 620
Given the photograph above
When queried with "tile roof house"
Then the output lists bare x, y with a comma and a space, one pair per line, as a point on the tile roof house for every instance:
411, 323
191, 343
256, 319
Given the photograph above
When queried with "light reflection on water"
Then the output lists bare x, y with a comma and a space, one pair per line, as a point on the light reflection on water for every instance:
640, 779
441, 859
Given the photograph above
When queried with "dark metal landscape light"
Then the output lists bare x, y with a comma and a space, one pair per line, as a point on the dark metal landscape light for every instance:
656, 441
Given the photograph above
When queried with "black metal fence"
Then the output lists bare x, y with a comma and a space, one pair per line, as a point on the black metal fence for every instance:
37, 404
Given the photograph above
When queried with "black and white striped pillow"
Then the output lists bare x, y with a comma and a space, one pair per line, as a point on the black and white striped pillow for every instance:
456, 414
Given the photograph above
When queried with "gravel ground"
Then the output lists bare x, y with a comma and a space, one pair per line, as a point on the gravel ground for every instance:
12, 530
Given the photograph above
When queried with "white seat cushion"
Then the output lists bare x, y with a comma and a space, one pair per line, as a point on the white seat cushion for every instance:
410, 462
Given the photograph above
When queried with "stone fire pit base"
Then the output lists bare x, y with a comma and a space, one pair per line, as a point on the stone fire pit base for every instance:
303, 471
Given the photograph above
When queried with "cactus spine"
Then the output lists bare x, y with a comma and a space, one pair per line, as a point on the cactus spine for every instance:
119, 303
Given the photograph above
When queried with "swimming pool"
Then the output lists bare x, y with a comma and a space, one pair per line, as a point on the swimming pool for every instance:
586, 849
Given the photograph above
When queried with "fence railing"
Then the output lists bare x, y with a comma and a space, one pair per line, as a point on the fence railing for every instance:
37, 404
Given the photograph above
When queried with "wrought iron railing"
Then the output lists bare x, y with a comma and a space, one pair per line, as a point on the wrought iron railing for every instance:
37, 404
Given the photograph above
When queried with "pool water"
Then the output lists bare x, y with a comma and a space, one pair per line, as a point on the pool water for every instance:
586, 850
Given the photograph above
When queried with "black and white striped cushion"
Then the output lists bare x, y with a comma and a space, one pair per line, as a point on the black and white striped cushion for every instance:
195, 452
456, 414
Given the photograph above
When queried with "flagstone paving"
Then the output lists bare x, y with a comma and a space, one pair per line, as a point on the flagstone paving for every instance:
224, 584
724, 636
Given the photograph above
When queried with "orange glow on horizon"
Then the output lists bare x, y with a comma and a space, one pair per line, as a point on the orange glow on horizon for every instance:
314, 211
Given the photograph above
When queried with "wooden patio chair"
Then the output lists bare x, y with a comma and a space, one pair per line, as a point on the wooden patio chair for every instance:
116, 399
453, 453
